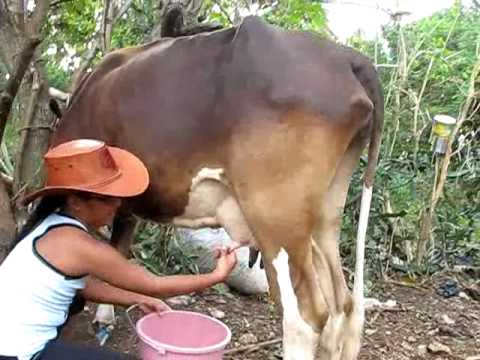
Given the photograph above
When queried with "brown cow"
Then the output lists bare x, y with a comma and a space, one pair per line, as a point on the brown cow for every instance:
257, 130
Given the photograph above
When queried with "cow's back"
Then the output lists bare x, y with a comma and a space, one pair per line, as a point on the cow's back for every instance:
178, 103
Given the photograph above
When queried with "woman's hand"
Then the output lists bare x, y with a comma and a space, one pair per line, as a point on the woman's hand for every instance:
225, 263
151, 304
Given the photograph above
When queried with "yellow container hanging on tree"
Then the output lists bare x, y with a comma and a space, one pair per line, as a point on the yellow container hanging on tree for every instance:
443, 126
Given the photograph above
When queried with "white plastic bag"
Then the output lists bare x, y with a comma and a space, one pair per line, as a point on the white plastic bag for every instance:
203, 242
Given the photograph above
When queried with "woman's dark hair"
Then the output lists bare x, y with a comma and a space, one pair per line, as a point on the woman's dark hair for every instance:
45, 207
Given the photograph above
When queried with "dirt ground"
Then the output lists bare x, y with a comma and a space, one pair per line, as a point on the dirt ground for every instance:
422, 324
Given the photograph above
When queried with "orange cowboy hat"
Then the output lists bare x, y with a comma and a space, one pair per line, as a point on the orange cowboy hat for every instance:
91, 166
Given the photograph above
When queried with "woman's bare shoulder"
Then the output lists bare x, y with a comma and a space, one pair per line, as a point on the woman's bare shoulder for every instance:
70, 236
69, 249
72, 232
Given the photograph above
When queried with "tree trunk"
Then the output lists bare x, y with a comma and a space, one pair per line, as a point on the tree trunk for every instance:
7, 222
441, 167
106, 26
13, 84
34, 140
10, 41
18, 39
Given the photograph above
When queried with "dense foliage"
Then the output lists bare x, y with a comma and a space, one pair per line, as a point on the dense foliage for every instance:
428, 72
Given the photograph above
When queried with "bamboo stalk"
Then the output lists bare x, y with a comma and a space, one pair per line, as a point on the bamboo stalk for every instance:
418, 101
440, 179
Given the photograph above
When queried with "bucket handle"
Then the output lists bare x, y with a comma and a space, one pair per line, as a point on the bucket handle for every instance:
127, 313
159, 349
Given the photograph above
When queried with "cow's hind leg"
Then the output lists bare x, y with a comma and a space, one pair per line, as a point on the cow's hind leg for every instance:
282, 228
342, 334
281, 195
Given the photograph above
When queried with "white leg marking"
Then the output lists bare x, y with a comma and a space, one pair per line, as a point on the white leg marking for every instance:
332, 336
352, 336
358, 295
299, 338
354, 324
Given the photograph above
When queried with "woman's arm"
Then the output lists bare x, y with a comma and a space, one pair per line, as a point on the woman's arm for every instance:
105, 263
100, 292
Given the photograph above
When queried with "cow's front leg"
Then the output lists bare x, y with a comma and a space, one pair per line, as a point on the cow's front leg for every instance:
342, 334
123, 232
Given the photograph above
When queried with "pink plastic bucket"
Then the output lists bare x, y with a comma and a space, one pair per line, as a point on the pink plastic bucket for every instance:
182, 335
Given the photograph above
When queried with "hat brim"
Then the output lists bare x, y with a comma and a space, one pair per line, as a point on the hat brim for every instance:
133, 180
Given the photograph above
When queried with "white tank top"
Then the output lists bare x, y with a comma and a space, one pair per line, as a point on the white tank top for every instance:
35, 296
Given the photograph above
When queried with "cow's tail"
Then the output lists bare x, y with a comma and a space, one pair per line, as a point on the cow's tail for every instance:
375, 134
367, 75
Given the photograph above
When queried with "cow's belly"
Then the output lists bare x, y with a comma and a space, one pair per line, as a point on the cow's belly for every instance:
211, 203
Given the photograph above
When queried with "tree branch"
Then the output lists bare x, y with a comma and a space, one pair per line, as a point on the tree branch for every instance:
34, 141
253, 347
462, 118
58, 94
7, 180
248, 4
11, 13
196, 29
122, 11
20, 14
9, 37
13, 84
58, 3
101, 41
38, 17
224, 12
441, 177
106, 26
194, 6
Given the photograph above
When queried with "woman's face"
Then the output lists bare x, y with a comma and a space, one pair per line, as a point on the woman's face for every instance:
96, 210
104, 209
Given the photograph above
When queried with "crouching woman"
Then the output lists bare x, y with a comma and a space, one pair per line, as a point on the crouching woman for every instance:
57, 258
